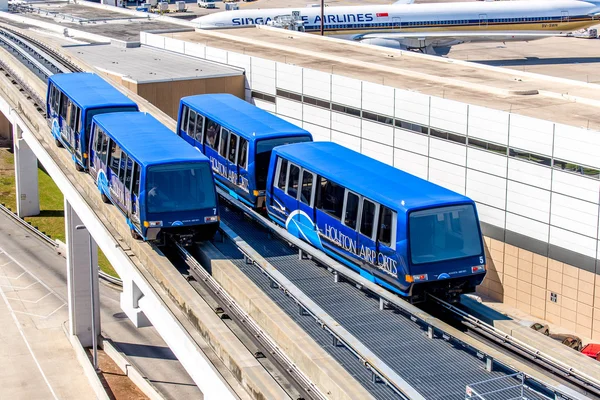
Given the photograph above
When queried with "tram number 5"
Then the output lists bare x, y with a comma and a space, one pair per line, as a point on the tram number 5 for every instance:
481, 260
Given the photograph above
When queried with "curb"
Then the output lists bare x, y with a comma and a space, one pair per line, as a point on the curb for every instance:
88, 368
139, 380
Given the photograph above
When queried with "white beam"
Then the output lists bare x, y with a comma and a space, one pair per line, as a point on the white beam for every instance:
82, 274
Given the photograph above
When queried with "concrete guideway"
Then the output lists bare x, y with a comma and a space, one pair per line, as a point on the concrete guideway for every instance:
250, 376
182, 344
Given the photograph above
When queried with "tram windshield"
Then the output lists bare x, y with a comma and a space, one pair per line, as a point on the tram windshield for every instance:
444, 233
263, 156
179, 187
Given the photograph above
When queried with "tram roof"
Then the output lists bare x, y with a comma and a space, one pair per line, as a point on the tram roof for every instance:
88, 90
147, 140
243, 118
371, 178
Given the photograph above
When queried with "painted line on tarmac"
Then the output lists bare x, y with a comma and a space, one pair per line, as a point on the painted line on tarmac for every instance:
18, 325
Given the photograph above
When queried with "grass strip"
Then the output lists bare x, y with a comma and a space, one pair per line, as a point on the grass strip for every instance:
51, 219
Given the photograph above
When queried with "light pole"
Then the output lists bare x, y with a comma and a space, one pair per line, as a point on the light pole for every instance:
93, 298
322, 16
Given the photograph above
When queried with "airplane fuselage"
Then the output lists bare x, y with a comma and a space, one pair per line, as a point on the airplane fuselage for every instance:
560, 16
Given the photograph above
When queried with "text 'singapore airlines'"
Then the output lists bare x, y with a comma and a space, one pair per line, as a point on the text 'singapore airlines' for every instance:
428, 26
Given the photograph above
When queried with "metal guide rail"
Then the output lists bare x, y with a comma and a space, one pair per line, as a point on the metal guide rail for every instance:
578, 377
35, 65
249, 322
35, 52
398, 340
56, 61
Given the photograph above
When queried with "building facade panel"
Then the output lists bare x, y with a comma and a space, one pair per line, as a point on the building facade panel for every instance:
379, 133
316, 84
346, 123
531, 134
289, 77
448, 115
448, 151
487, 124
412, 106
346, 91
486, 161
412, 163
263, 76
407, 140
378, 98
448, 175
316, 115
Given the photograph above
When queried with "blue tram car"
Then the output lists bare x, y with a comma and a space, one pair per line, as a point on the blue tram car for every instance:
72, 100
400, 231
238, 138
162, 185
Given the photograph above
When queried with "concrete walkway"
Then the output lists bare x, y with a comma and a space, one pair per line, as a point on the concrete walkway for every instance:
36, 358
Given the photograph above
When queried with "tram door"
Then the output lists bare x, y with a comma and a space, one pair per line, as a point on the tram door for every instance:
306, 198
387, 256
367, 232
336, 217
278, 196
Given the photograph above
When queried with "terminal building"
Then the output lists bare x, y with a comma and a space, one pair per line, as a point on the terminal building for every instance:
536, 182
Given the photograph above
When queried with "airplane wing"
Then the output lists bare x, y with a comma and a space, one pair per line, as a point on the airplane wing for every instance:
422, 40
465, 35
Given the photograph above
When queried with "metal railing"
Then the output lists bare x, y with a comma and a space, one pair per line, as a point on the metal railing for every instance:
579, 377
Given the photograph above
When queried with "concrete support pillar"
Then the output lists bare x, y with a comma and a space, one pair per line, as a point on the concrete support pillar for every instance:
82, 278
129, 303
26, 176
6, 132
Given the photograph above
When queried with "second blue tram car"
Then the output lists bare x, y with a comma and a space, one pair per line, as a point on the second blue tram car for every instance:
71, 102
164, 186
238, 138
400, 231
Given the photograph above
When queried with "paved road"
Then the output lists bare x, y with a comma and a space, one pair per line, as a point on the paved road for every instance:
36, 277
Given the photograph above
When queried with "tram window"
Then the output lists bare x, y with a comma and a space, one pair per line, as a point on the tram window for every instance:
122, 167
351, 209
78, 120
199, 128
367, 218
102, 145
135, 189
184, 118
307, 187
212, 133
292, 186
115, 157
191, 125
97, 144
56, 100
330, 198
128, 173
64, 102
68, 112
385, 226
282, 173
233, 143
224, 142
243, 153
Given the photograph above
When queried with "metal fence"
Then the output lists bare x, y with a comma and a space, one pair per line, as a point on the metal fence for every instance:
510, 387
